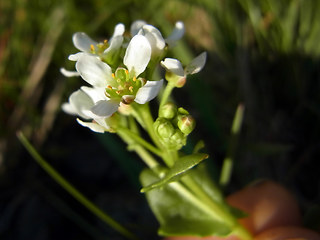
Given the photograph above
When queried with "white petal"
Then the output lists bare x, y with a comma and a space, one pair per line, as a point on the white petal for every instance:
105, 108
76, 56
173, 65
137, 55
176, 34
102, 122
94, 71
115, 44
96, 94
82, 41
154, 37
148, 92
68, 73
80, 102
68, 108
136, 26
93, 126
196, 64
118, 30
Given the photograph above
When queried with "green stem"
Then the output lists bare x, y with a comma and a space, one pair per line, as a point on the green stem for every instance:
227, 166
144, 113
144, 155
166, 93
72, 190
140, 141
170, 157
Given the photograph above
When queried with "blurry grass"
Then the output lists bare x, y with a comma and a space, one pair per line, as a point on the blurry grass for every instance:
262, 53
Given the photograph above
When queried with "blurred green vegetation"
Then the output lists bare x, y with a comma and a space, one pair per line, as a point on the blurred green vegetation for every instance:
264, 54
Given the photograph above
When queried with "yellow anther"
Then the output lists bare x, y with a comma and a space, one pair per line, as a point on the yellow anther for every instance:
118, 92
134, 79
92, 47
109, 87
131, 89
113, 75
105, 42
127, 72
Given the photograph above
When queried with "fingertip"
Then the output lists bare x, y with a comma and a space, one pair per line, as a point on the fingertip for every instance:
288, 232
268, 204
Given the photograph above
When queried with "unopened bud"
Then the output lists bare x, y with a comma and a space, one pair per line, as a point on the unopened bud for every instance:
168, 111
178, 139
164, 128
186, 124
183, 111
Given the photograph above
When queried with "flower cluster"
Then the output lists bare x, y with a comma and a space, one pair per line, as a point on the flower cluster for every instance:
119, 71
173, 126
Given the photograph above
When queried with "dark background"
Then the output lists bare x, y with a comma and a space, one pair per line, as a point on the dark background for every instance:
263, 54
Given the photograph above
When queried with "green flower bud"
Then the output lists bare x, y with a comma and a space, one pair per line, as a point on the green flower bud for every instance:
183, 111
186, 124
168, 111
164, 128
178, 139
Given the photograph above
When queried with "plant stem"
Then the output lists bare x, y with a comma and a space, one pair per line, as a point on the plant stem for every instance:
145, 156
72, 190
166, 93
144, 113
139, 140
227, 166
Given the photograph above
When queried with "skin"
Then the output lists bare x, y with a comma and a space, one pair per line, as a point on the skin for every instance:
273, 214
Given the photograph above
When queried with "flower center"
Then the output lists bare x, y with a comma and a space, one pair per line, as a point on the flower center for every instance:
99, 48
126, 86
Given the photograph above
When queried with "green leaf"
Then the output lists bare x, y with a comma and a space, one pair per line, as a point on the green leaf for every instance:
179, 168
178, 212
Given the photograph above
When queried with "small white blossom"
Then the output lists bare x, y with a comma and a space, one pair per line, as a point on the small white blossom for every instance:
154, 36
86, 45
80, 104
176, 34
175, 67
105, 50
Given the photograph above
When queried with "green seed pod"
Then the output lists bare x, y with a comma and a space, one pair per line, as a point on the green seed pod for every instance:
168, 110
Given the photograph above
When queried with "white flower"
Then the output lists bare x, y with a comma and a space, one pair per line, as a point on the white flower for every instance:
86, 45
80, 104
154, 36
176, 34
174, 66
125, 85
155, 39
105, 50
